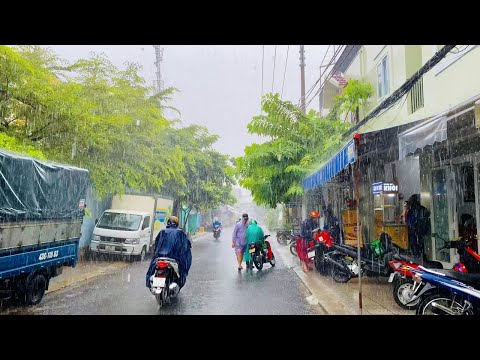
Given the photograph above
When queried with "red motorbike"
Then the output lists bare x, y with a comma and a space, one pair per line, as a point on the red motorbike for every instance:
402, 265
324, 244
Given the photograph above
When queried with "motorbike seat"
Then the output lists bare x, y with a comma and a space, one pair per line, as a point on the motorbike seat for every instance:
468, 278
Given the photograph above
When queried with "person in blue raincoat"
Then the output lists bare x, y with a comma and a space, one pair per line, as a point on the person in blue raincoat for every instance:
173, 243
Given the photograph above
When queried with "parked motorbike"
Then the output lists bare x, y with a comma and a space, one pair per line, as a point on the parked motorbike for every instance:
260, 255
375, 257
323, 246
217, 231
282, 236
446, 292
402, 278
164, 281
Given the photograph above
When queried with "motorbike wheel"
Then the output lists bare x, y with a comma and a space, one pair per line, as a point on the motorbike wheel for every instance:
272, 261
322, 266
340, 275
282, 239
293, 248
163, 298
441, 304
402, 292
258, 262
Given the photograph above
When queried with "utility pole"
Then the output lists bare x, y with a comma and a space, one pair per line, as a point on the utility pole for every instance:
158, 63
320, 94
302, 74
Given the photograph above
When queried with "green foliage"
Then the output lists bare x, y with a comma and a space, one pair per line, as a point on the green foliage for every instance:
209, 176
353, 96
12, 144
273, 170
271, 219
93, 115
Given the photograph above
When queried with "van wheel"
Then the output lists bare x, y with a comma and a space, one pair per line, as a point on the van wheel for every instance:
143, 254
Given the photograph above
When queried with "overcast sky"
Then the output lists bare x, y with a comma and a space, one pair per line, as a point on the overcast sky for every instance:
220, 86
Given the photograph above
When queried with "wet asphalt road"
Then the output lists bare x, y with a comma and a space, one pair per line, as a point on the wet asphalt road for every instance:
214, 287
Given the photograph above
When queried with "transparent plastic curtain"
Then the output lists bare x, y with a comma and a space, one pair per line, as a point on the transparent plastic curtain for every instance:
427, 133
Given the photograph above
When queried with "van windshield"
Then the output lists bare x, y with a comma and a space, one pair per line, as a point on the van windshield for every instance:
119, 221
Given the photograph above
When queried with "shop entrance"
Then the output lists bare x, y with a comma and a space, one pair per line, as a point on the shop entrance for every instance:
444, 218
455, 191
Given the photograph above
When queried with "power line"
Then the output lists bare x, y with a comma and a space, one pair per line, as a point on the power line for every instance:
263, 56
328, 76
336, 52
284, 71
274, 61
321, 64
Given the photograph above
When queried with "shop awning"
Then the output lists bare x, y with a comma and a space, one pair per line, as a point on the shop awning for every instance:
339, 162
417, 137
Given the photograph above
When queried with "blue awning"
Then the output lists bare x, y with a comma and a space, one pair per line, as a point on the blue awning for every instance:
339, 162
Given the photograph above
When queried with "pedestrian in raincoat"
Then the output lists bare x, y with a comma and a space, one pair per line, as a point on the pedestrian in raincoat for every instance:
253, 235
238, 239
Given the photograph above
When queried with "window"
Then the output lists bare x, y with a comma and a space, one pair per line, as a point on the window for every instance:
382, 78
146, 222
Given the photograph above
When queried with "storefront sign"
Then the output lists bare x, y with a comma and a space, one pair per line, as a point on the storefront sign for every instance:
380, 187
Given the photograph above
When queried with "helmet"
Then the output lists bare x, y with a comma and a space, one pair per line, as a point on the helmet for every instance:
172, 221
253, 221
314, 214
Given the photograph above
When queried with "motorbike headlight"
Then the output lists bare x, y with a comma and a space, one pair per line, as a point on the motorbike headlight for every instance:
132, 241
96, 237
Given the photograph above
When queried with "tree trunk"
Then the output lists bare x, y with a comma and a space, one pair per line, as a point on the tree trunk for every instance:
176, 205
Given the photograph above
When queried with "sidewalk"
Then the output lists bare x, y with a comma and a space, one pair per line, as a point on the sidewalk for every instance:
85, 270
343, 299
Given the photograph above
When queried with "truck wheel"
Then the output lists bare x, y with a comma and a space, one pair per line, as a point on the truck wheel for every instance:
143, 254
35, 289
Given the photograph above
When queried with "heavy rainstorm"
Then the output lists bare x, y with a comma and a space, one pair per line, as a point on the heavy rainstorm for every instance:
239, 179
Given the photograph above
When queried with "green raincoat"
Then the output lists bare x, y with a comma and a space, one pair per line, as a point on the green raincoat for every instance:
254, 234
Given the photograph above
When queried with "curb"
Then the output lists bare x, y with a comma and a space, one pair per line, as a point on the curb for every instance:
79, 278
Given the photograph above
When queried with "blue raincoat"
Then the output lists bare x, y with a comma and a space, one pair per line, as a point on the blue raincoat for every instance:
172, 243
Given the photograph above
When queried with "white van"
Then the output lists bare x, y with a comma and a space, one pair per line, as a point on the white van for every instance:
123, 232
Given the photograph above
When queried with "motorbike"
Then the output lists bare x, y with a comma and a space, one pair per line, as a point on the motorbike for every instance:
446, 292
216, 231
164, 281
260, 255
375, 257
282, 236
323, 246
402, 277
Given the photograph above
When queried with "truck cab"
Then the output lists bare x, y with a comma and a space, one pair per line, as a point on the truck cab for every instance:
123, 232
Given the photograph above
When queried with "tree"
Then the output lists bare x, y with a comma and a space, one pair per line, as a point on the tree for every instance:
90, 114
208, 175
273, 170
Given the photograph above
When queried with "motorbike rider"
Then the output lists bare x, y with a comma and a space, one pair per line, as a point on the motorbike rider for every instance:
254, 235
172, 243
217, 224
309, 227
